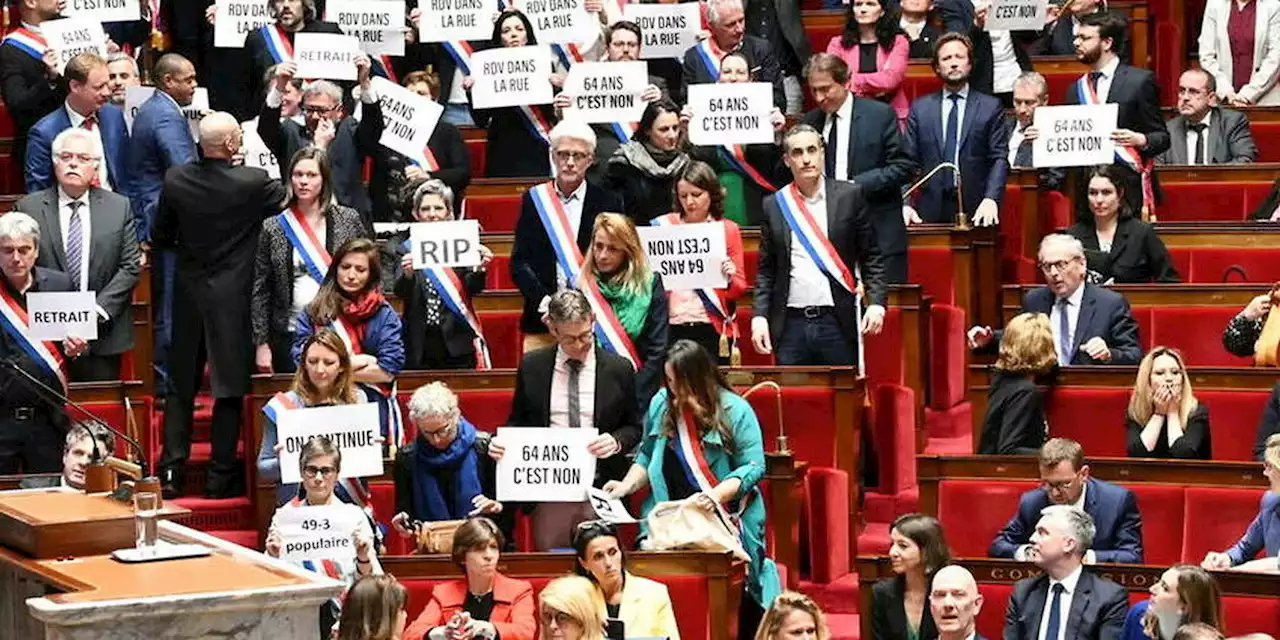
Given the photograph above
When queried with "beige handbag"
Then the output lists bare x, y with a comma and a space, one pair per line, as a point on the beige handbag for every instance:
681, 524
437, 537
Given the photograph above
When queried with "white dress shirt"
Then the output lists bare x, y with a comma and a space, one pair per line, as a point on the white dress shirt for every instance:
844, 115
1073, 315
1004, 61
559, 409
77, 122
1193, 139
809, 285
1064, 604
64, 219
1108, 74
946, 114
573, 210
1015, 141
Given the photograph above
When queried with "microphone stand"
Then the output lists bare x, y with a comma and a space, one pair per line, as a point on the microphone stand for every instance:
962, 220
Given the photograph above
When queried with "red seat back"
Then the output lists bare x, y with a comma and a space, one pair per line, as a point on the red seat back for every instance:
1233, 419
1216, 518
995, 599
496, 214
895, 437
885, 353
810, 425
973, 511
1251, 614
930, 267
1161, 507
948, 354
502, 333
1092, 417
1186, 328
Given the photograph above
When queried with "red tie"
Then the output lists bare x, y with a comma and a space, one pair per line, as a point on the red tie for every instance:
90, 122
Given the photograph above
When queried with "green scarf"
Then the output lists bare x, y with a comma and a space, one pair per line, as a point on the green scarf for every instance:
630, 307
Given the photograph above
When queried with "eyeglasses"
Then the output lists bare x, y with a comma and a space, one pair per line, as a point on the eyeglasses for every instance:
317, 110
1060, 265
596, 525
1057, 486
559, 617
82, 158
438, 433
576, 156
581, 338
310, 471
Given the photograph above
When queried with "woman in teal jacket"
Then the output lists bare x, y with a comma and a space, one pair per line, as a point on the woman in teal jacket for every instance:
721, 461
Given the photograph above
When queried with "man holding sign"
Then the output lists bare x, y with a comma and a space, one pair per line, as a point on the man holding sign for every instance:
728, 21
272, 44
29, 75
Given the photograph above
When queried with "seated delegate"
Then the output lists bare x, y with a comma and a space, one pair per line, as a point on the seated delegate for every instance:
1118, 247
1185, 594
1015, 421
1241, 335
1263, 533
900, 605
635, 607
1165, 420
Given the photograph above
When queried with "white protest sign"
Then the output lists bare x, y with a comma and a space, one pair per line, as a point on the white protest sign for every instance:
448, 243
326, 55
606, 91
378, 24
235, 19
609, 509
545, 465
135, 95
731, 113
669, 29
103, 10
326, 532
1017, 15
408, 119
69, 37
354, 428
687, 255
511, 77
55, 315
256, 153
560, 21
446, 20
1074, 136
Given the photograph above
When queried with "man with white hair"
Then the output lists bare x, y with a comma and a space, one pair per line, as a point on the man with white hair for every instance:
1065, 602
542, 246
86, 108
211, 215
1090, 324
728, 22
954, 603
122, 73
89, 236
31, 427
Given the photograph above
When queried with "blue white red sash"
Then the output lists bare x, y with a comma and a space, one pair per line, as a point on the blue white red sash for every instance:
569, 54
813, 238
30, 42
278, 44
432, 165
536, 123
608, 328
449, 287
693, 462
349, 335
288, 401
710, 297
710, 56
736, 156
387, 71
305, 242
1127, 154
460, 51
623, 130
555, 221
13, 319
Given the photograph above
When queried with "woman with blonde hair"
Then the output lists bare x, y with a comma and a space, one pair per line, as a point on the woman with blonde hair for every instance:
616, 266
793, 615
1185, 594
1164, 419
1015, 422
570, 608
374, 610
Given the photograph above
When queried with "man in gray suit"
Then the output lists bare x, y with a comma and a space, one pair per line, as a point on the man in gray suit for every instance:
89, 235
1204, 133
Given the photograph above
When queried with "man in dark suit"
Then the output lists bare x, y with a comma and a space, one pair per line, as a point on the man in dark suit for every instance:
29, 80
961, 126
88, 234
778, 23
346, 141
1065, 480
1030, 92
863, 146
800, 308
1065, 602
728, 24
999, 56
534, 265
1090, 324
88, 91
210, 215
550, 392
954, 603
1204, 133
84, 442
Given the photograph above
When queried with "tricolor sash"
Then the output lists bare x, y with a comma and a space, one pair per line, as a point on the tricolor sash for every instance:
326, 567
536, 123
710, 56
13, 319
608, 329
433, 164
710, 297
460, 51
1126, 154
569, 54
623, 130
349, 335
736, 157
449, 287
813, 238
694, 465
306, 243
388, 71
30, 42
278, 44
555, 221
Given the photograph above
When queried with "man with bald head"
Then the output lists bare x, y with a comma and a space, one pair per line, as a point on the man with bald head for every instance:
210, 213
955, 602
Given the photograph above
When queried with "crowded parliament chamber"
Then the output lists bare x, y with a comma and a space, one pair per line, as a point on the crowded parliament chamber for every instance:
298, 296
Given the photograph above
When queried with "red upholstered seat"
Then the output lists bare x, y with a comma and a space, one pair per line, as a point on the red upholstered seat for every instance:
498, 275
949, 430
477, 151
1161, 507
1233, 420
1246, 614
947, 351
1216, 518
1266, 134
930, 267
1219, 201
884, 352
1092, 417
502, 331
973, 511
1224, 264
488, 410
895, 437
497, 214
1195, 331
808, 413
749, 356
995, 597
825, 540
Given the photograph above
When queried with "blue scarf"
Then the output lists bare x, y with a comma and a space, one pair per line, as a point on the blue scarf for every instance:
458, 461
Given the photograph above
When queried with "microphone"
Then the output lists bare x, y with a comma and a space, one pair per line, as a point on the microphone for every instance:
962, 220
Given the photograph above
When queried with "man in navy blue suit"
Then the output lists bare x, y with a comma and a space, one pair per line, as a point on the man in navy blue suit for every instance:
88, 93
964, 127
1065, 481
1090, 324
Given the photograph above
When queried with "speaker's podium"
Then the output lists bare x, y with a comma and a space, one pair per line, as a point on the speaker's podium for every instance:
59, 581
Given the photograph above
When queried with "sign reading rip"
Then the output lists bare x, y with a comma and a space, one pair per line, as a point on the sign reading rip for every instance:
450, 243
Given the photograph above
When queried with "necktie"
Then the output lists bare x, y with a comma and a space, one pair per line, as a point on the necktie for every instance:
1055, 613
833, 146
1199, 153
75, 243
1094, 76
575, 403
1023, 158
90, 122
951, 136
1064, 332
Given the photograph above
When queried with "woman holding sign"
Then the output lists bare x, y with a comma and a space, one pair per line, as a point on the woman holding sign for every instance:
1119, 247
645, 169
702, 442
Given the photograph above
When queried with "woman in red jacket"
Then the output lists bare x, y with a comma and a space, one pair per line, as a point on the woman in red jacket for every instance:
506, 608
706, 316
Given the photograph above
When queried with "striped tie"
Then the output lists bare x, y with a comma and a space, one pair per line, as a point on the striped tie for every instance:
75, 241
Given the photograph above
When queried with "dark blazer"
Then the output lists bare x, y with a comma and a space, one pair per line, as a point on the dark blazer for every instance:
1137, 254
616, 409
651, 345
161, 139
1098, 608
1268, 206
533, 261
115, 142
255, 44
888, 615
411, 288
1136, 92
1228, 139
764, 158
644, 196
763, 65
983, 150
1195, 443
19, 392
391, 191
1115, 514
114, 266
784, 15
28, 93
1263, 533
1059, 39
1104, 314
524, 155
1268, 423
851, 234
879, 163
1015, 422
922, 47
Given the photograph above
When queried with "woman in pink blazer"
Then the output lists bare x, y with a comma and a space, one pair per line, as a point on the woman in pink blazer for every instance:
876, 51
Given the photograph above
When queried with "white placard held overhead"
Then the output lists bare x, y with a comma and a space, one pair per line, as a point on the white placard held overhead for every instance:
1017, 15
136, 95
446, 20
687, 255
378, 24
731, 113
545, 465
326, 55
55, 315
449, 243
669, 29
560, 21
103, 10
511, 77
408, 119
256, 153
606, 91
69, 37
1074, 136
326, 532
356, 429
234, 19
